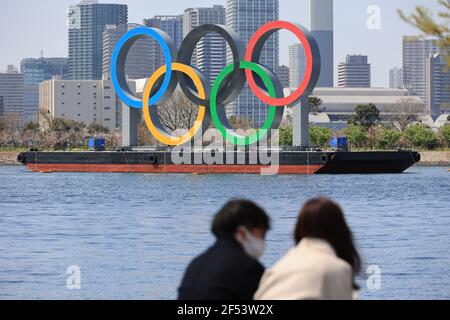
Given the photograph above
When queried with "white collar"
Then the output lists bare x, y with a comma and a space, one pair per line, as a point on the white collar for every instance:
316, 245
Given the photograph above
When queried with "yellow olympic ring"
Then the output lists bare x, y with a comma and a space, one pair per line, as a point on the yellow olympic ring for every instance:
162, 136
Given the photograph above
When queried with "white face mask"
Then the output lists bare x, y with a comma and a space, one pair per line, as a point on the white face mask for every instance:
252, 245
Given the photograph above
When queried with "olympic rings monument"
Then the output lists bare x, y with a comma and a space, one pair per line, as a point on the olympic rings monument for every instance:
245, 68
212, 100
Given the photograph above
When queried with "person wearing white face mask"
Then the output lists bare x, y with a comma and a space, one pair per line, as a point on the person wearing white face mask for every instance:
230, 269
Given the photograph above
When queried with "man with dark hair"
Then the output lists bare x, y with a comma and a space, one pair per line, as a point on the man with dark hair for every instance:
230, 270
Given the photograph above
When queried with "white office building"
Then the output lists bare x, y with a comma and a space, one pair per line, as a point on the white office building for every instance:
88, 101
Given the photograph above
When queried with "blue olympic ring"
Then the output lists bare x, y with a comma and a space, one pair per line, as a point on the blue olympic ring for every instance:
128, 38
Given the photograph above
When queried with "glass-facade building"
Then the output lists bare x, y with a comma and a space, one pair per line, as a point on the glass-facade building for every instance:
86, 23
34, 72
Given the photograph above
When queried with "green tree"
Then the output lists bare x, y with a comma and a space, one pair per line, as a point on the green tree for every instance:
356, 136
286, 136
314, 104
32, 127
421, 136
424, 20
65, 125
389, 139
320, 136
367, 115
445, 134
97, 128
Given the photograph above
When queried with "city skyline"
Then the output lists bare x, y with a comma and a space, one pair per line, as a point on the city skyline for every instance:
364, 41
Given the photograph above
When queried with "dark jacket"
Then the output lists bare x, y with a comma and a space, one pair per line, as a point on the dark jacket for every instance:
224, 272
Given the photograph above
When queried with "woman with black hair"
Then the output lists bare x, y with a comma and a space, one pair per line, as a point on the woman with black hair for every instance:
322, 266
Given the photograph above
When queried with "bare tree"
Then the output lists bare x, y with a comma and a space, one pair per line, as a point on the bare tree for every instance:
240, 123
145, 138
45, 119
11, 126
178, 112
406, 111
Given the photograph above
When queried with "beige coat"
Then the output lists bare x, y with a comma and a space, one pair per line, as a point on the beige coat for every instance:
310, 271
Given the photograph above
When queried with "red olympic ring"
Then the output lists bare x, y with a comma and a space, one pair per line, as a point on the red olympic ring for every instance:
271, 27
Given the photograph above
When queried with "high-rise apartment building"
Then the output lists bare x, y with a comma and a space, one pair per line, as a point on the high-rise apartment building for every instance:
396, 78
297, 65
11, 89
415, 52
437, 85
142, 59
34, 72
355, 72
321, 26
86, 22
1, 107
210, 55
245, 17
283, 75
173, 26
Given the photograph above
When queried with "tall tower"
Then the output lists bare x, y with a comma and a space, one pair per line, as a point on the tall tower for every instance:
321, 20
245, 17
86, 23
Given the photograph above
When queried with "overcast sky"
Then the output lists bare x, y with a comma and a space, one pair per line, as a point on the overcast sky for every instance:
29, 27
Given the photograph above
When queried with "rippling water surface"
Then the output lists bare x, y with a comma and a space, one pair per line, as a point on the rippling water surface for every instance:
133, 235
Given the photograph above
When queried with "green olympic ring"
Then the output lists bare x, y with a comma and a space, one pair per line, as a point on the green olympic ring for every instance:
226, 131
